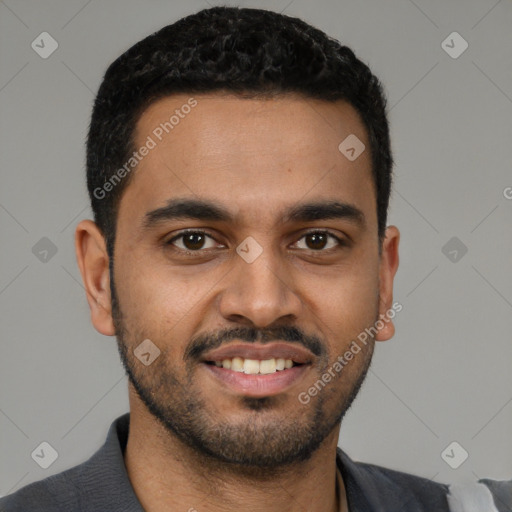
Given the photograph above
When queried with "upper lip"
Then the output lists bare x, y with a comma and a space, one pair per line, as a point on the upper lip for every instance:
296, 353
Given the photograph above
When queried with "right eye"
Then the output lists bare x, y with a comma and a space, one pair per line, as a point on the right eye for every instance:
191, 240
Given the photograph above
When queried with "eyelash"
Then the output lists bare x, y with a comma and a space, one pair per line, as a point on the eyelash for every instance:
341, 242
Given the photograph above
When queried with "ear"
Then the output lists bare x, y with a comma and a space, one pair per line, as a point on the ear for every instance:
388, 267
93, 261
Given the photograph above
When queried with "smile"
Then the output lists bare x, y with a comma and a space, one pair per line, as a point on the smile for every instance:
255, 366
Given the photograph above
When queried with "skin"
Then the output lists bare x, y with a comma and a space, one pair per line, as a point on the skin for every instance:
255, 157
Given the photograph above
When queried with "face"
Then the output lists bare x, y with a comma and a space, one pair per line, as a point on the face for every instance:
247, 242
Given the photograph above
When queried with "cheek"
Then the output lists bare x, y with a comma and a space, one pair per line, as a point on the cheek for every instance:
157, 300
347, 305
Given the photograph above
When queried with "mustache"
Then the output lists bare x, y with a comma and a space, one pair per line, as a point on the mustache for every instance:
213, 340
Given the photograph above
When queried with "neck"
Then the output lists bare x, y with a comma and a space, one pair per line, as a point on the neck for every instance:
168, 475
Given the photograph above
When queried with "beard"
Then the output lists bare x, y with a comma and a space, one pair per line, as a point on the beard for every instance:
261, 439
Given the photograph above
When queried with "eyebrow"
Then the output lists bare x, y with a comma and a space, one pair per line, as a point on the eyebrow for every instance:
183, 208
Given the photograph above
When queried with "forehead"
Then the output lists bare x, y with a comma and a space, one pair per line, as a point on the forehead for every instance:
252, 155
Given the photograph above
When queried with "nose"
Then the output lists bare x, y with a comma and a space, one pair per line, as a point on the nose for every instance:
260, 292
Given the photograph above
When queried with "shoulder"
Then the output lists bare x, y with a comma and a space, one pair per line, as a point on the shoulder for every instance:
99, 483
416, 492
60, 492
389, 489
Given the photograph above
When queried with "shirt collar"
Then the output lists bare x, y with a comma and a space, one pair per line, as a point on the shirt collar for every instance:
115, 492
104, 480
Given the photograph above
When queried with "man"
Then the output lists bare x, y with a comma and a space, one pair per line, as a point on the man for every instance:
239, 170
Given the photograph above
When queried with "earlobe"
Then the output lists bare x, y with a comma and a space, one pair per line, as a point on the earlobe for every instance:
388, 266
93, 261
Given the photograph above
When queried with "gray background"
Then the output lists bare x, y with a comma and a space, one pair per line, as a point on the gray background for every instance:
446, 376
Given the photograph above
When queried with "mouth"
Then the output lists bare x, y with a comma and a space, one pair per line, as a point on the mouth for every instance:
255, 366
258, 370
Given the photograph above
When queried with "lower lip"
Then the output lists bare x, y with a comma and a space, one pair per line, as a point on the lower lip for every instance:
258, 385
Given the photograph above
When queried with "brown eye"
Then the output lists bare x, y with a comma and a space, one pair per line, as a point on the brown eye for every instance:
316, 240
191, 240
319, 240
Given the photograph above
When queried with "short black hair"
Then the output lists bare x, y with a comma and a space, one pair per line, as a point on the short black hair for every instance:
248, 52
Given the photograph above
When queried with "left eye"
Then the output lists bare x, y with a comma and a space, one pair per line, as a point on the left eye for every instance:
319, 240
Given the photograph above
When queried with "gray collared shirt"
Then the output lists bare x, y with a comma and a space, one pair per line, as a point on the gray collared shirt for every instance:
101, 484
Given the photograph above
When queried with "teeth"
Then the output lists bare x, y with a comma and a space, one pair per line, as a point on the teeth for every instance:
255, 366
237, 364
251, 366
268, 366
